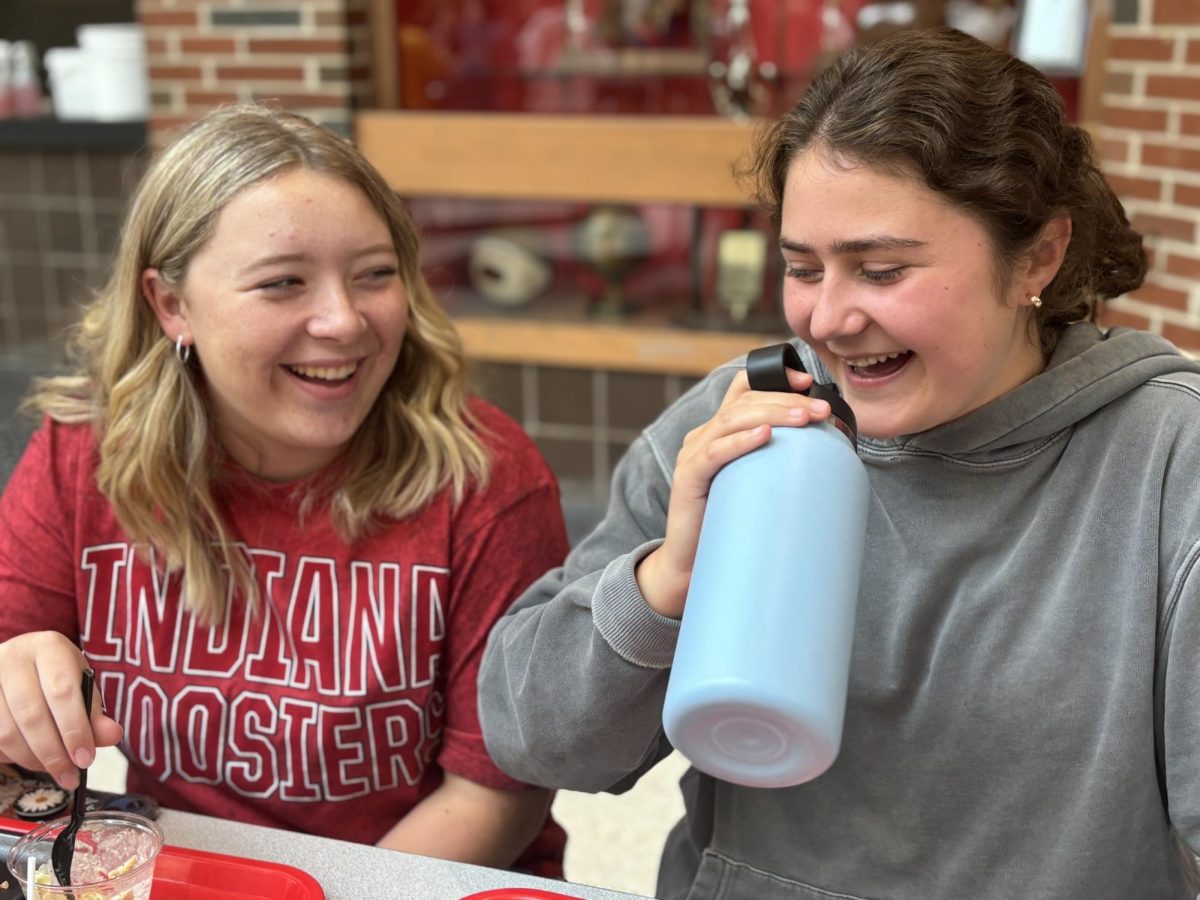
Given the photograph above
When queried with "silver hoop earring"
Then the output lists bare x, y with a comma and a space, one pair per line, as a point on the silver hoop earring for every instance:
1035, 301
183, 352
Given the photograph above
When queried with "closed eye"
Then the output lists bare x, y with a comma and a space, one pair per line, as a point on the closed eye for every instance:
381, 273
280, 284
883, 276
800, 273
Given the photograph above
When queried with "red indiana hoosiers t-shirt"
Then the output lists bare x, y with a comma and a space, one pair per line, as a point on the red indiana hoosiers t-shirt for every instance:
335, 707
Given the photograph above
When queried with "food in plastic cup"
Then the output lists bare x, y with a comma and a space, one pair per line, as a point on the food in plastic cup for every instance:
114, 859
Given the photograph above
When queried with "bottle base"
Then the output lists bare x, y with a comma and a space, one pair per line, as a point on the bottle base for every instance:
752, 746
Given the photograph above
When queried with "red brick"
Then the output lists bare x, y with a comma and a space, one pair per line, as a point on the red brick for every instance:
1182, 337
272, 73
174, 73
1153, 225
207, 45
304, 101
295, 45
1110, 317
1149, 48
1151, 292
1170, 157
177, 19
1183, 266
1193, 51
1173, 87
1136, 118
1113, 149
1189, 124
1128, 186
1186, 195
209, 98
155, 46
1176, 12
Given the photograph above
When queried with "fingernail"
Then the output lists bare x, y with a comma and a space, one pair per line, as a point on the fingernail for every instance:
820, 406
84, 757
69, 780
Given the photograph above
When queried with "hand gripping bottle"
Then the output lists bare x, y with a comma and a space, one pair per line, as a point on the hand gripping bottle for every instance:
757, 690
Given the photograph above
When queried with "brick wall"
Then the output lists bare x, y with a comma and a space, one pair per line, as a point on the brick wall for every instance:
1149, 140
306, 55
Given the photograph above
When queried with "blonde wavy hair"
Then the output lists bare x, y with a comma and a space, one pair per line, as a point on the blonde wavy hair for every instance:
159, 460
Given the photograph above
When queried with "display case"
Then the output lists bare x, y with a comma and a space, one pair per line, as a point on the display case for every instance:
649, 256
571, 162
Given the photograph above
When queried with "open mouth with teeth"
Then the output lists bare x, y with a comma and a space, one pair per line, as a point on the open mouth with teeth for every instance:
879, 366
324, 374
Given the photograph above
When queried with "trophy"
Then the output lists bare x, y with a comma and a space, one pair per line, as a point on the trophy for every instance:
741, 261
612, 240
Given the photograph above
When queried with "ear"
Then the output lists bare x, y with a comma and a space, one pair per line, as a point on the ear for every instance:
1046, 255
167, 304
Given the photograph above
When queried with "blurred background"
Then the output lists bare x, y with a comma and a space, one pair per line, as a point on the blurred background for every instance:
570, 164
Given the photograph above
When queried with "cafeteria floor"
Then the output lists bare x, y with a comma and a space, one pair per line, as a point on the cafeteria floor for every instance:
613, 841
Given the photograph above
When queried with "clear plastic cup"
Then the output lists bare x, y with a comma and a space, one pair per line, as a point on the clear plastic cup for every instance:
107, 843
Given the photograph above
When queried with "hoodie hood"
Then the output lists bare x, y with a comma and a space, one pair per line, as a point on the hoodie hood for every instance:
1089, 369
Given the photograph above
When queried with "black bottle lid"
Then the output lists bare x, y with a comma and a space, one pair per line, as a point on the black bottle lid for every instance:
766, 370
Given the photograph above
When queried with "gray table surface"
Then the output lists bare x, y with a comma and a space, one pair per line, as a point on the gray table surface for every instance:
352, 871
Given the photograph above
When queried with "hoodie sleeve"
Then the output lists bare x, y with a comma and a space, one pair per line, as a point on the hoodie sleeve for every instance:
572, 683
1180, 702
1178, 664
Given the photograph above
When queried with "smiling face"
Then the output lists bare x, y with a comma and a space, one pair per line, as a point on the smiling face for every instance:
896, 291
297, 312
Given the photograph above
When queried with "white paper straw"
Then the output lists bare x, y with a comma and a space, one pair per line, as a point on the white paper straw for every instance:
30, 873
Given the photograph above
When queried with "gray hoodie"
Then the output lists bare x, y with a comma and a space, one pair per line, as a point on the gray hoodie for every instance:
1024, 708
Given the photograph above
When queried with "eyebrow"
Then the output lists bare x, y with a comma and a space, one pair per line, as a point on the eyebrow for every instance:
301, 257
858, 245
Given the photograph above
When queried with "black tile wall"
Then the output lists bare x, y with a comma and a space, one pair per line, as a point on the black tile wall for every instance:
634, 399
60, 213
564, 396
501, 385
583, 420
14, 172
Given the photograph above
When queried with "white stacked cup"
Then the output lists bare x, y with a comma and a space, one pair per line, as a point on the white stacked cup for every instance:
116, 65
70, 85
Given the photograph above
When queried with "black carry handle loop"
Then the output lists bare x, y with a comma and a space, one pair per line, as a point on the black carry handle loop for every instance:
766, 367
766, 370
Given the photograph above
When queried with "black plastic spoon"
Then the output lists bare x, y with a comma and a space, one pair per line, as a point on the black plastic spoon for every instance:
63, 851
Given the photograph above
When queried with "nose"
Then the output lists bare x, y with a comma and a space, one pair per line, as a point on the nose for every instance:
836, 312
336, 315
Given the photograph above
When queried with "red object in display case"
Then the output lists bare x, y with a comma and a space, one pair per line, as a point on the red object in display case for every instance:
660, 57
650, 57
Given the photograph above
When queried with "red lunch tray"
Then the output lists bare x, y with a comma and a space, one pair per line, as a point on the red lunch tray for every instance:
518, 894
183, 874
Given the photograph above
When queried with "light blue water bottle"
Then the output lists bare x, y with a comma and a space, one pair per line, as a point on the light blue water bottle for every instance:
757, 691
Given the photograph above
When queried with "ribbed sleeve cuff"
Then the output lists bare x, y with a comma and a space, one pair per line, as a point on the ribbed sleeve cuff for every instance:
626, 621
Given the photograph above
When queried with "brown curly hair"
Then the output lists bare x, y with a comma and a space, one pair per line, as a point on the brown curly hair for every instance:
985, 130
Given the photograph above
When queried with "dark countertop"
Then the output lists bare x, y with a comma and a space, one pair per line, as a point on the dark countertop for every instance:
49, 133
